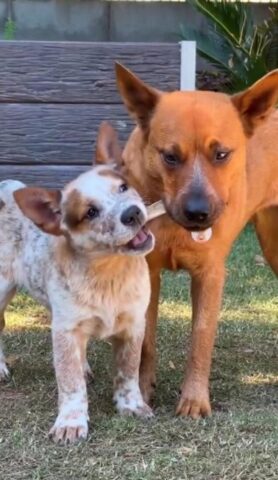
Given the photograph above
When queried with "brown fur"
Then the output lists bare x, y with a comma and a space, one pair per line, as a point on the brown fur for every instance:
76, 208
194, 126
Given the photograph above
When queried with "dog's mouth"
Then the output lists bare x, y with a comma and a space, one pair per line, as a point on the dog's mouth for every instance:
201, 236
141, 242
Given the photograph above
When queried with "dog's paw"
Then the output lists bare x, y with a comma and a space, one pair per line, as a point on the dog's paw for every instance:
147, 387
142, 411
4, 372
130, 403
69, 429
194, 403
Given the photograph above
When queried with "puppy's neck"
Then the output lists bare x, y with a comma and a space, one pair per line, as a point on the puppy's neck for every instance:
103, 265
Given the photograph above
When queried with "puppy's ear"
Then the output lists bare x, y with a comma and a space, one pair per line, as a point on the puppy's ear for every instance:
139, 98
108, 149
257, 102
42, 207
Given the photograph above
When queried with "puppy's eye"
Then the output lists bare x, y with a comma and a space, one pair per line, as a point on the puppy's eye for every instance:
221, 155
93, 212
170, 159
123, 187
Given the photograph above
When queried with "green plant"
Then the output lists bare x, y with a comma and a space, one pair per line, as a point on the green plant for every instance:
9, 29
234, 43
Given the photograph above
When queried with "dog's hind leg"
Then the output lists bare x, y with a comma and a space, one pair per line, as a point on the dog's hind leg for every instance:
266, 225
7, 291
148, 360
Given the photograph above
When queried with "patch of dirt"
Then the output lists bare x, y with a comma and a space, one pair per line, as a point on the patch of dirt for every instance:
213, 81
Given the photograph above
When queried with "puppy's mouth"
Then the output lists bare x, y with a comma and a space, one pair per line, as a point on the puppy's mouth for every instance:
142, 242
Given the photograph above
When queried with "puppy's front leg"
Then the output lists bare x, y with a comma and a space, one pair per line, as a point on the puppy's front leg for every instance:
206, 293
127, 395
72, 422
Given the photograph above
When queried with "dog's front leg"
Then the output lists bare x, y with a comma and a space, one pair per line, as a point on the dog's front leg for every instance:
206, 291
148, 358
72, 422
127, 395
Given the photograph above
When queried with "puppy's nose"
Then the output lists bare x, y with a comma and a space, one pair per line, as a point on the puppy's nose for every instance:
196, 208
132, 216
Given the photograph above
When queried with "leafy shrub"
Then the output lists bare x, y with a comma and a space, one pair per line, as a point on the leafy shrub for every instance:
234, 43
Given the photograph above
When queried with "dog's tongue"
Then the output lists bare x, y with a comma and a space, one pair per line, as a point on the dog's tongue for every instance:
140, 238
202, 236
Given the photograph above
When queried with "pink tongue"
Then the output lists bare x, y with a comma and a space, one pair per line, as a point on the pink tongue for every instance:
140, 238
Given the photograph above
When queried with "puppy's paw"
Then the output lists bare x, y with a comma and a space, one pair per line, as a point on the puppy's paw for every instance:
148, 386
194, 403
70, 428
130, 403
4, 371
141, 411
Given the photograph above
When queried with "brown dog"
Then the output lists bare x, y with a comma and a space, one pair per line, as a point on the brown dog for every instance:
213, 160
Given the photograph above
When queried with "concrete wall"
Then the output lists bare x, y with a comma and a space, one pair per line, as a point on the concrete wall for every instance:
94, 20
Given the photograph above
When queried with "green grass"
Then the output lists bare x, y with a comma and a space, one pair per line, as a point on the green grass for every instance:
240, 440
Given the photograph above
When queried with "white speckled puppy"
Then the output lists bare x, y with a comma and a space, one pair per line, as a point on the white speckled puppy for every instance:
80, 252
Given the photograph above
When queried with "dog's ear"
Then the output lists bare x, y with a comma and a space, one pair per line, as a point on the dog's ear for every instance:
139, 98
108, 149
42, 207
256, 103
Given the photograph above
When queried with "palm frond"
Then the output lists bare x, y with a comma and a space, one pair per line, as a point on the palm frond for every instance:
233, 43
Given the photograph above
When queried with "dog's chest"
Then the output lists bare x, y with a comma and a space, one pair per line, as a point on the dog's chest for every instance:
105, 325
103, 308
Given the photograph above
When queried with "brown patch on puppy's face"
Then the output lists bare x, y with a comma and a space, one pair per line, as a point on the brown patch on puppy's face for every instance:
76, 210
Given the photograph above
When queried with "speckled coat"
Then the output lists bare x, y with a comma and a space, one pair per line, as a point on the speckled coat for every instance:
79, 265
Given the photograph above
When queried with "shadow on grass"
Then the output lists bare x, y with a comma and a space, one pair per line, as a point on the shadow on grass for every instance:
243, 373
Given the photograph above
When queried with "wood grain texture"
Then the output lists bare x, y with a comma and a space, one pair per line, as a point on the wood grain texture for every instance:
43, 176
81, 72
55, 134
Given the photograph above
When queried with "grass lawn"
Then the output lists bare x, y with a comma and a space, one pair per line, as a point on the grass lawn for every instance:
240, 440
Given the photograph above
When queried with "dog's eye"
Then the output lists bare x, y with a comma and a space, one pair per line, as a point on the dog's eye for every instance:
123, 188
170, 159
93, 212
221, 156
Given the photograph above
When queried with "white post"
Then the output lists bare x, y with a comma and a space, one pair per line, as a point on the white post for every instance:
188, 65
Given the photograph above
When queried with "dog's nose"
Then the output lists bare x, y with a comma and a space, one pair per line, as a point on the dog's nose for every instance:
196, 208
132, 216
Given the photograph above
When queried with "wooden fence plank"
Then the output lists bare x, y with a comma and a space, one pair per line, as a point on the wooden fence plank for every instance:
55, 134
52, 176
81, 72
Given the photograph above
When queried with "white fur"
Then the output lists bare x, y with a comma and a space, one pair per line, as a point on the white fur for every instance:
128, 399
84, 300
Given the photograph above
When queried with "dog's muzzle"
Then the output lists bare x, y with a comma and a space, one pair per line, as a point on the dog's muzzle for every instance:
132, 217
195, 211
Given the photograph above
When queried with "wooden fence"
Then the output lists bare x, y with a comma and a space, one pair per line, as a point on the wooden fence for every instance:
53, 96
